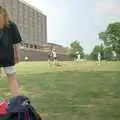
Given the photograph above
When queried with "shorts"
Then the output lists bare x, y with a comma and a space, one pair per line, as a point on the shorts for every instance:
10, 70
55, 58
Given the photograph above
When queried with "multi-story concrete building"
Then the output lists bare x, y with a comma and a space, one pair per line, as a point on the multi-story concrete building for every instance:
32, 23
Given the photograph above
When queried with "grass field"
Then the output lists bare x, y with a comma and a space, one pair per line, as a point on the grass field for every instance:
74, 91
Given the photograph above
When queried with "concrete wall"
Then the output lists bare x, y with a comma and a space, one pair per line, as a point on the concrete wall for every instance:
39, 56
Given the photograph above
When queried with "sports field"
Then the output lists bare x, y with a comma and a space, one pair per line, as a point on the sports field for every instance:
71, 91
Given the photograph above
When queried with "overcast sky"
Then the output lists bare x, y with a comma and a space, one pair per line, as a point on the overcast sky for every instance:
82, 20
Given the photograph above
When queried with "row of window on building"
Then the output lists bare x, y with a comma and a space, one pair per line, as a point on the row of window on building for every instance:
32, 46
31, 23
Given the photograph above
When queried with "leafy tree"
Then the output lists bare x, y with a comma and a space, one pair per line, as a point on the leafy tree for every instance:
111, 37
95, 51
75, 48
108, 53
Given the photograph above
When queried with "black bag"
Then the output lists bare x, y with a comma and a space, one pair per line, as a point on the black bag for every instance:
20, 109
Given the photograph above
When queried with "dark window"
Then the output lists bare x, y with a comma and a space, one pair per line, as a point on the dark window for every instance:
26, 45
31, 46
35, 46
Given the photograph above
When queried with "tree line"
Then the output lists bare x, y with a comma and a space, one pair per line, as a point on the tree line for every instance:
109, 47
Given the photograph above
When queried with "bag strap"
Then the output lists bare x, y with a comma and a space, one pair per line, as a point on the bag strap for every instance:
34, 113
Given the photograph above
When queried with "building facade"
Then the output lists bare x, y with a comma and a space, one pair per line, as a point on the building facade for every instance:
32, 23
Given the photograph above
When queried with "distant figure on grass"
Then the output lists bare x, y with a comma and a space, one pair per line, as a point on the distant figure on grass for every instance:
54, 56
9, 49
50, 57
99, 58
26, 58
114, 55
78, 57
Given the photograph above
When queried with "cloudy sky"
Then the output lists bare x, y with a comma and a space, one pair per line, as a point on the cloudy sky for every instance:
82, 20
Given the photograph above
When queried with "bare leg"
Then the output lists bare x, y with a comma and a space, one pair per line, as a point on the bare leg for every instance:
13, 84
54, 61
48, 61
99, 61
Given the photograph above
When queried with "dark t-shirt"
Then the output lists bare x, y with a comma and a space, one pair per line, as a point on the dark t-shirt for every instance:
8, 37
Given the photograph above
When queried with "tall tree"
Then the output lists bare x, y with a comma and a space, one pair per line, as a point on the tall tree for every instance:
95, 51
111, 37
76, 48
108, 55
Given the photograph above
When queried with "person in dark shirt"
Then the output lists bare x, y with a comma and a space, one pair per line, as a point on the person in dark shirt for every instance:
9, 49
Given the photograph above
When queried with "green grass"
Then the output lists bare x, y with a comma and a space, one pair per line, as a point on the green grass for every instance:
74, 91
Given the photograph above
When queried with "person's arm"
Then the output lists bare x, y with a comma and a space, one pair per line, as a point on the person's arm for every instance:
17, 53
16, 42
